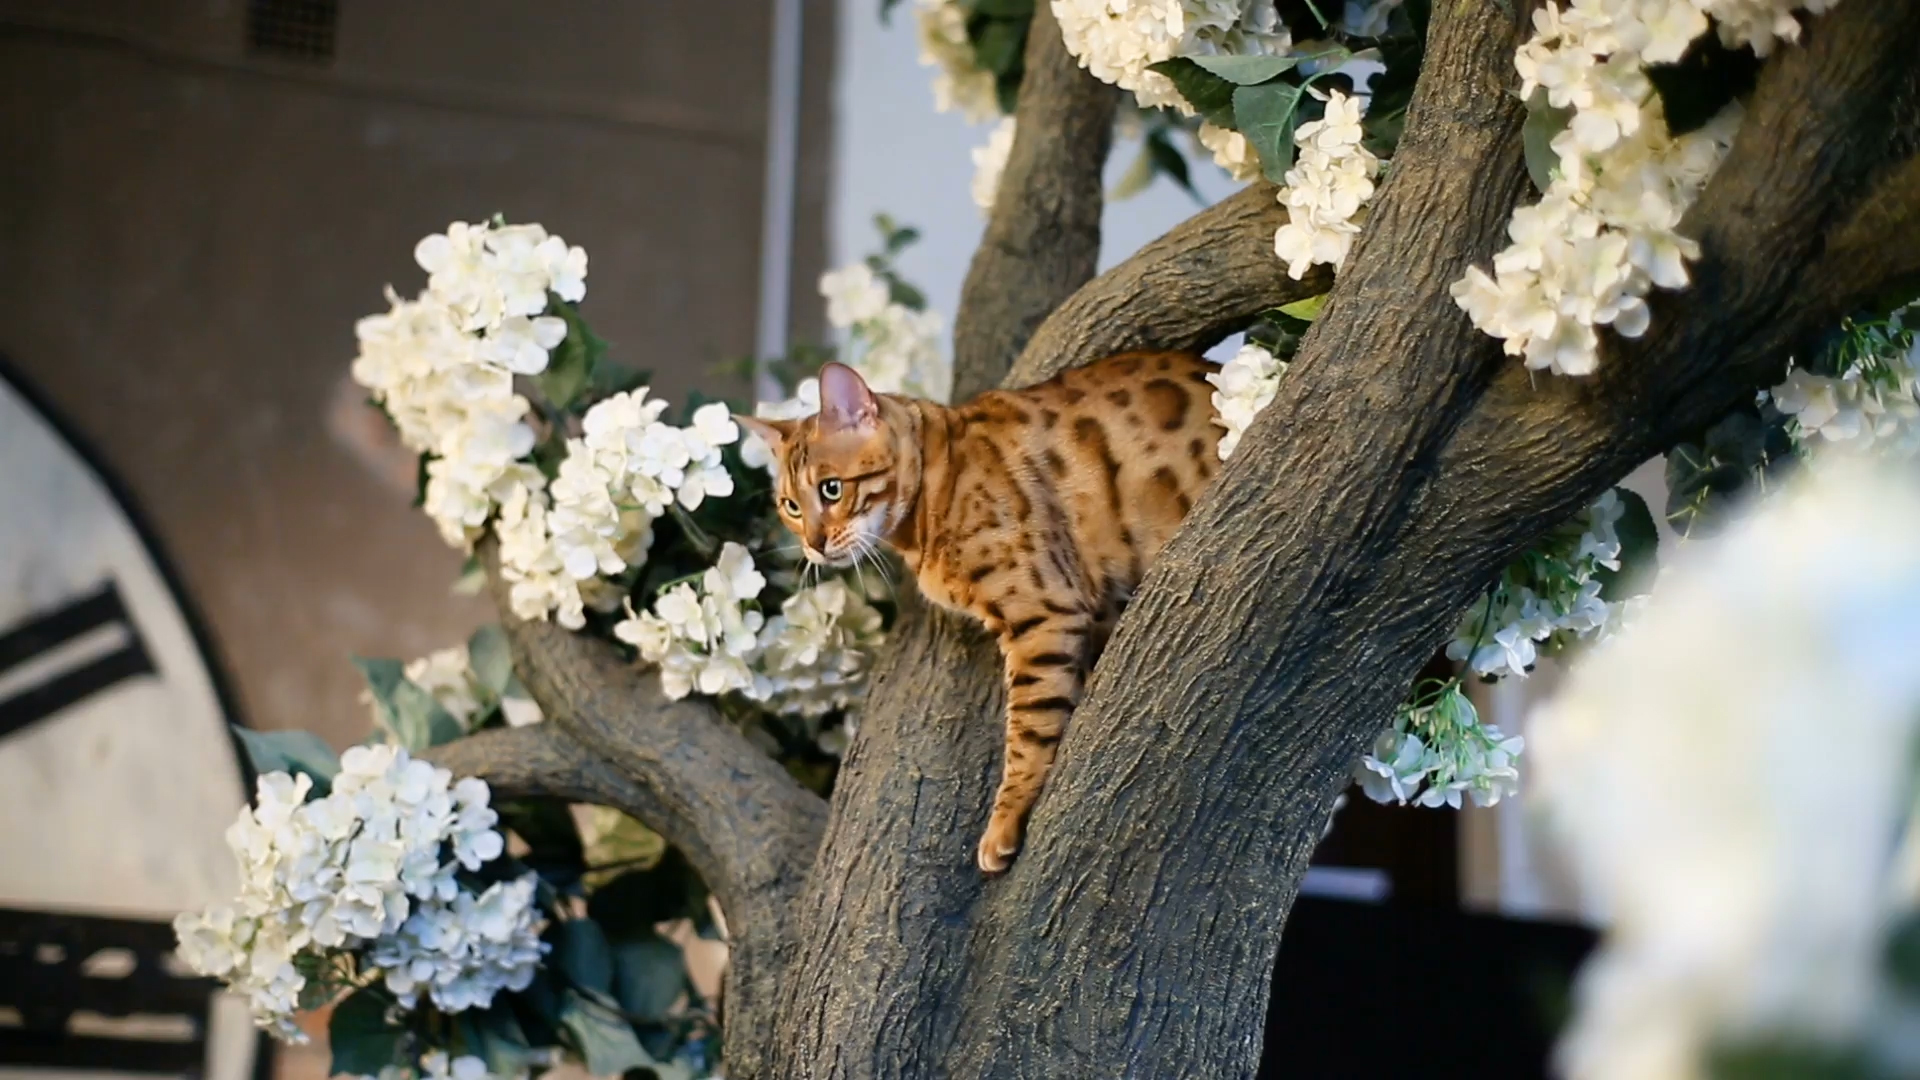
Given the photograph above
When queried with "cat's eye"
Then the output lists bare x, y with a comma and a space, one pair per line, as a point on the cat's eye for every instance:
830, 490
792, 508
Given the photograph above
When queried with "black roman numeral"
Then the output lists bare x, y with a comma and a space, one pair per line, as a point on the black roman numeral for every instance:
69, 685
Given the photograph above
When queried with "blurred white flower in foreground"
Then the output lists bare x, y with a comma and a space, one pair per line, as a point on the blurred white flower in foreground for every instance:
1730, 774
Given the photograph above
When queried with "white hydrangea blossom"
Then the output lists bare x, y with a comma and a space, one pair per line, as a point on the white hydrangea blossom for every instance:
1740, 850
702, 639
443, 364
1604, 234
368, 872
596, 519
1438, 752
447, 675
1327, 189
1243, 386
814, 654
895, 348
960, 83
1545, 600
989, 161
1871, 407
1231, 151
1117, 40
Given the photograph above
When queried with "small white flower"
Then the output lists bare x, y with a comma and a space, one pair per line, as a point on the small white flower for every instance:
853, 295
989, 161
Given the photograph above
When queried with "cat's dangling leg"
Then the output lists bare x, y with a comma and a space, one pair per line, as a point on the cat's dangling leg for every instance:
1045, 652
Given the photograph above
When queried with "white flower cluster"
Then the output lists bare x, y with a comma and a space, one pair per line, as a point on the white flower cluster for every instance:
1546, 599
814, 654
960, 83
1231, 151
1873, 406
1329, 184
895, 348
596, 519
1117, 40
1243, 386
711, 638
443, 364
989, 161
447, 675
366, 871
1603, 235
702, 639
1438, 752
1741, 854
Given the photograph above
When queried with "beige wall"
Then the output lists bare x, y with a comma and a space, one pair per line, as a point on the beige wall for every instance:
188, 231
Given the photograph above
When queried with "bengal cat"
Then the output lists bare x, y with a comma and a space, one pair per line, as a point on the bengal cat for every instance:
1035, 511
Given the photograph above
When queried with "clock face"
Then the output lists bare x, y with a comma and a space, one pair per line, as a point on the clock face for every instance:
118, 773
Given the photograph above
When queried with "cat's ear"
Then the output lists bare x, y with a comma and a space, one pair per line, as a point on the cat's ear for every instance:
845, 402
772, 432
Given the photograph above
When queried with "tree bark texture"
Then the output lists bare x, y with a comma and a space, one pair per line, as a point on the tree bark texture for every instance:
1403, 463
1043, 237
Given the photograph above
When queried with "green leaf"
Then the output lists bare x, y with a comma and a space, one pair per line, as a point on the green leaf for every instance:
1266, 116
419, 721
600, 1034
1168, 159
571, 365
363, 1040
999, 45
293, 751
1639, 549
384, 677
650, 975
1537, 133
581, 953
495, 1036
904, 294
490, 659
1004, 9
1210, 95
1248, 70
629, 905
1706, 80
1305, 310
612, 377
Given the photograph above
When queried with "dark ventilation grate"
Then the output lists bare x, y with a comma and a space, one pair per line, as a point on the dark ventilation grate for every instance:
292, 29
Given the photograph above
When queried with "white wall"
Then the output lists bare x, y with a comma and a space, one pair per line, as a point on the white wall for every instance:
894, 153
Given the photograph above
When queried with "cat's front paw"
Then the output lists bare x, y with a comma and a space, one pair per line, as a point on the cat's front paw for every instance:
998, 845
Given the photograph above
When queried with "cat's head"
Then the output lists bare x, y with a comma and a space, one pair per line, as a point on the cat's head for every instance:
838, 478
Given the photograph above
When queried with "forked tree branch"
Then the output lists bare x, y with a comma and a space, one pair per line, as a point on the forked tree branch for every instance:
612, 737
1043, 237
1205, 279
1404, 461
544, 762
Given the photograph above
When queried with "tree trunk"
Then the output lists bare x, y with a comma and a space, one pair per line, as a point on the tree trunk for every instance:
1404, 462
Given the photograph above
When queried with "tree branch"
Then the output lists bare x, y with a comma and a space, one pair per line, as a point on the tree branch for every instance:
1043, 238
1207, 278
747, 827
543, 762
